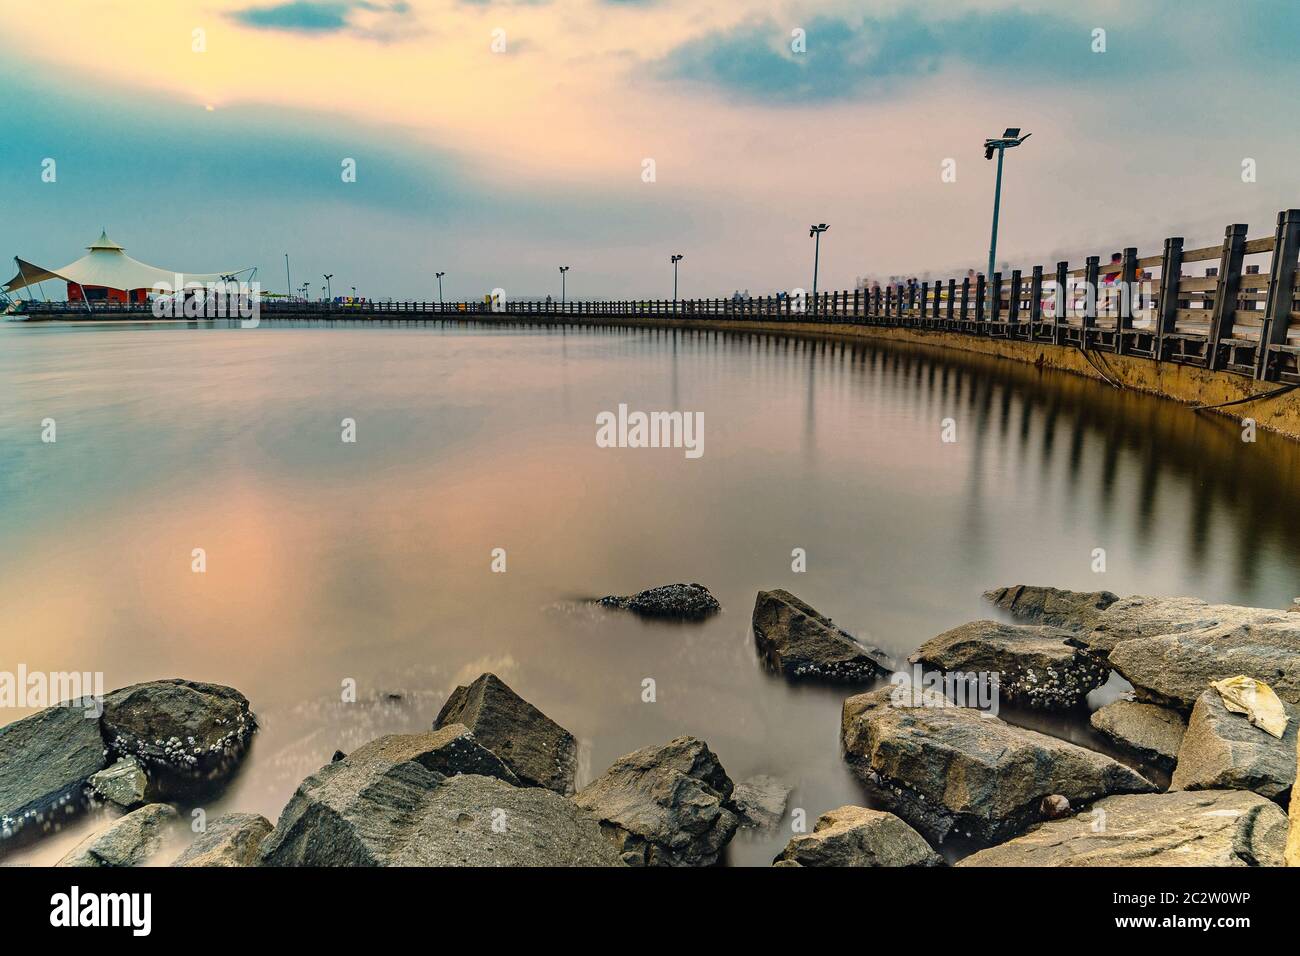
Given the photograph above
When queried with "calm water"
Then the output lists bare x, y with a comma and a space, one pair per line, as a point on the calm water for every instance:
371, 561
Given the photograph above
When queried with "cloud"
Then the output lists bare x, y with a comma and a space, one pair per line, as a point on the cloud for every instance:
323, 16
872, 57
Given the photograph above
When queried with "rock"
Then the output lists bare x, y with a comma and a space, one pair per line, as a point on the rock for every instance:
190, 736
801, 643
665, 806
1152, 734
856, 836
690, 602
948, 769
539, 751
1225, 751
760, 801
338, 755
230, 840
45, 761
1037, 666
1146, 616
125, 784
130, 840
1293, 838
1054, 807
1174, 669
381, 806
1076, 610
1205, 828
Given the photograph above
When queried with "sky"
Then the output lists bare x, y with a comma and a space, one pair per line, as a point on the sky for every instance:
497, 141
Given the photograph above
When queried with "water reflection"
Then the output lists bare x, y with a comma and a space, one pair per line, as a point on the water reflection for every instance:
371, 561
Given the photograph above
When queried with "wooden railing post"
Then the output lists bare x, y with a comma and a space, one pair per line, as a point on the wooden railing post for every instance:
965, 297
1171, 270
1281, 288
1091, 268
981, 297
1061, 307
1013, 303
1124, 307
925, 292
1225, 300
1035, 300
952, 290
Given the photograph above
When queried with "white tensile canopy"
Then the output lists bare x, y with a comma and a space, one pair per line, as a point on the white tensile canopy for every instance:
107, 264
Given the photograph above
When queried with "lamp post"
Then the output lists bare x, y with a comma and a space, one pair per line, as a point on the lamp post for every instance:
440, 275
329, 294
1006, 141
563, 270
675, 259
816, 233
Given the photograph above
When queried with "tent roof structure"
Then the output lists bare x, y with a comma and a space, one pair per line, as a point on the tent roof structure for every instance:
107, 264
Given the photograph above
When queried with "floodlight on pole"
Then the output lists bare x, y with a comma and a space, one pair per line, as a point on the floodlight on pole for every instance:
1007, 140
563, 270
675, 259
440, 275
816, 233
329, 294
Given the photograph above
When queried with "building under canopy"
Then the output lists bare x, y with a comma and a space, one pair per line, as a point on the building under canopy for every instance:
107, 274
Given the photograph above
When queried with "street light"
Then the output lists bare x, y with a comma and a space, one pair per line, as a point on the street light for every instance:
675, 259
329, 294
1008, 139
563, 270
816, 233
440, 275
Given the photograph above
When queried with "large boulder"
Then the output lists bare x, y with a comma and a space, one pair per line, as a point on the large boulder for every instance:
1076, 610
537, 749
799, 642
1205, 828
688, 602
230, 840
45, 761
856, 836
1225, 751
188, 735
947, 769
1036, 665
1151, 734
129, 841
1147, 616
1174, 669
382, 806
665, 806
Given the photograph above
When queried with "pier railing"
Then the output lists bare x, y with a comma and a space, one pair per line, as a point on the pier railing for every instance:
1238, 316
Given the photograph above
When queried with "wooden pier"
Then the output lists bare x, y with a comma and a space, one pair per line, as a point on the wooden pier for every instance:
1236, 317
